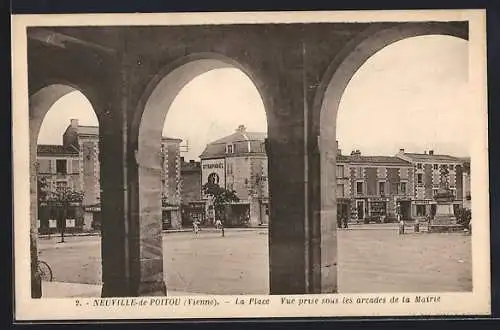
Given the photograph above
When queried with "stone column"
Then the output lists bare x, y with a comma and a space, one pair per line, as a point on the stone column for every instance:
114, 241
288, 244
146, 221
144, 170
324, 236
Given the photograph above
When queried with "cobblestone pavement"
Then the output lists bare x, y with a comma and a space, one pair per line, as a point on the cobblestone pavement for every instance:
377, 260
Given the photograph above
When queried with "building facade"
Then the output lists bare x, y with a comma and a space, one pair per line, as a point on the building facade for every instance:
372, 188
427, 168
85, 139
466, 183
81, 151
239, 162
171, 183
58, 169
193, 206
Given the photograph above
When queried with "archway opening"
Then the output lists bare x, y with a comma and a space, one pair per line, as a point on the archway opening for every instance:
64, 182
400, 101
203, 120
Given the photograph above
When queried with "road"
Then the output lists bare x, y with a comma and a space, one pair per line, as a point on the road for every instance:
371, 259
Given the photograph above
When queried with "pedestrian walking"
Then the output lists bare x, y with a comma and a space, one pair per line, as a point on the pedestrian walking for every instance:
345, 222
401, 225
196, 227
218, 224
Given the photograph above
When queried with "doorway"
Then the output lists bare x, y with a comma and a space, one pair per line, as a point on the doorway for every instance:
405, 209
360, 207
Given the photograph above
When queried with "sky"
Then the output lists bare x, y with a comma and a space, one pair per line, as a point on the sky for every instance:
412, 93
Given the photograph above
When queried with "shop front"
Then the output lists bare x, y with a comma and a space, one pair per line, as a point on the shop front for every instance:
171, 217
377, 209
194, 211
264, 211
403, 207
55, 217
343, 209
92, 217
237, 214
423, 209
359, 210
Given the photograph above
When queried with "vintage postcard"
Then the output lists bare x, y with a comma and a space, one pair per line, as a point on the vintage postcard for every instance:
250, 165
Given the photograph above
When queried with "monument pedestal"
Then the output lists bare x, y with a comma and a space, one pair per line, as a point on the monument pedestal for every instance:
444, 220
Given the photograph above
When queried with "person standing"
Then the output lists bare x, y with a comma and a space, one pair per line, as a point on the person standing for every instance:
196, 227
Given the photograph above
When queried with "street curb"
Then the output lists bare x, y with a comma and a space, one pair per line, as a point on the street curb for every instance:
168, 231
213, 230
69, 235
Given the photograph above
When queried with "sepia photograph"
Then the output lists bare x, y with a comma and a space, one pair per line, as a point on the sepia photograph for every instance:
250, 165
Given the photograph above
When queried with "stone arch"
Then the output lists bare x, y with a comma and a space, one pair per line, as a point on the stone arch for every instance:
40, 103
144, 141
326, 104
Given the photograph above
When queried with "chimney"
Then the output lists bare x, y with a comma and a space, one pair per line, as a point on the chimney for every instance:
431, 152
241, 128
401, 151
74, 123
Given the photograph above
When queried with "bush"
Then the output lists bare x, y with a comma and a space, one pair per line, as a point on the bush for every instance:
463, 217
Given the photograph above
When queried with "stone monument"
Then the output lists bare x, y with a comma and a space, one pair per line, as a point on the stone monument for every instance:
444, 219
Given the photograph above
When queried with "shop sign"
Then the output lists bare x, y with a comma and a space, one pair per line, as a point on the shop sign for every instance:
424, 202
379, 199
70, 223
52, 223
213, 171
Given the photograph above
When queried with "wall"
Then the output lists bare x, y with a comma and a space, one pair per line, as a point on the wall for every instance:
171, 174
47, 169
239, 175
190, 184
90, 169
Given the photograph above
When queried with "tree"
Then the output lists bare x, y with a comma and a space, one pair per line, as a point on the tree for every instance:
464, 217
220, 197
466, 167
42, 188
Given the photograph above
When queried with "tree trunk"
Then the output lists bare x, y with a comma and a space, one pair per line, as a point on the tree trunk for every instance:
63, 222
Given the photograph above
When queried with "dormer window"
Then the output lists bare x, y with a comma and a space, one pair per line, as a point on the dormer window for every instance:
230, 148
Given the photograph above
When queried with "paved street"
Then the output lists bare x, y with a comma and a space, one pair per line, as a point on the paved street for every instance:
372, 258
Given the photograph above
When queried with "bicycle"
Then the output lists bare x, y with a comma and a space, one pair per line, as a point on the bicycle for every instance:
45, 271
